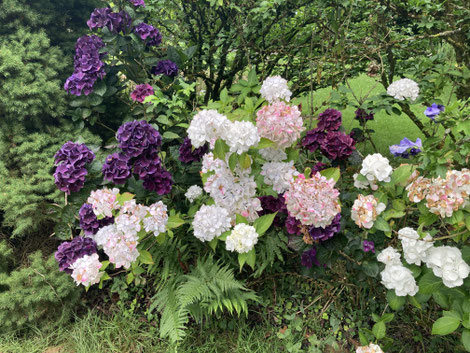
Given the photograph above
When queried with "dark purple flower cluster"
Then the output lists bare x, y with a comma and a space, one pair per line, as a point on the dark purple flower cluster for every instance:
363, 116
188, 155
329, 120
368, 245
147, 164
159, 182
136, 137
319, 167
70, 172
313, 139
68, 252
165, 67
148, 33
337, 145
322, 234
293, 225
88, 66
271, 204
116, 168
309, 258
115, 21
137, 2
142, 91
89, 223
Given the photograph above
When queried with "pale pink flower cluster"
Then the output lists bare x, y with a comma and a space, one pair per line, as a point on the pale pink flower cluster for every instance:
86, 270
279, 175
371, 348
313, 201
104, 202
280, 123
156, 219
418, 189
365, 210
274, 88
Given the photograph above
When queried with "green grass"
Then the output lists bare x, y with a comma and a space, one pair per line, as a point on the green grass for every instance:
389, 129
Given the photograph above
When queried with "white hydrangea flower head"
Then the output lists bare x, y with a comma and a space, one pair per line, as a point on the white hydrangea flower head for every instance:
371, 348
104, 201
210, 222
274, 89
242, 239
404, 88
272, 154
240, 136
279, 175
365, 210
207, 126
398, 277
414, 249
211, 164
389, 256
193, 193
120, 246
157, 218
86, 270
376, 167
131, 207
364, 184
446, 262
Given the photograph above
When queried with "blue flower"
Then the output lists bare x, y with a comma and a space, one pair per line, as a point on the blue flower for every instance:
434, 110
406, 148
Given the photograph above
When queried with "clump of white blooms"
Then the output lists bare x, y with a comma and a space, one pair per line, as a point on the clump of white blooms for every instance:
130, 217
242, 239
210, 222
156, 219
446, 262
86, 270
193, 193
371, 348
104, 202
404, 88
365, 210
389, 256
274, 89
240, 136
376, 167
414, 249
362, 183
272, 154
279, 175
207, 126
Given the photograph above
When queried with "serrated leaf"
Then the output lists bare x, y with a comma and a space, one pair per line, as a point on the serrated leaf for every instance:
213, 243
174, 222
379, 330
242, 259
466, 339
233, 161
251, 258
145, 257
130, 277
100, 88
381, 224
394, 301
264, 143
263, 223
126, 196
220, 149
245, 160
331, 173
401, 174
170, 135
387, 317
428, 284
445, 325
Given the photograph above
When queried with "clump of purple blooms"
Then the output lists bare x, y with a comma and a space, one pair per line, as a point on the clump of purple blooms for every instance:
322, 234
89, 223
271, 204
148, 33
433, 111
115, 21
68, 252
116, 168
137, 2
406, 148
319, 167
165, 67
188, 155
293, 225
71, 160
337, 145
363, 116
88, 66
329, 120
138, 136
368, 245
312, 141
142, 91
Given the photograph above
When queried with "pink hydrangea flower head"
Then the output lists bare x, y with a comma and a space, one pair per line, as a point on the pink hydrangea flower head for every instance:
104, 202
142, 91
365, 210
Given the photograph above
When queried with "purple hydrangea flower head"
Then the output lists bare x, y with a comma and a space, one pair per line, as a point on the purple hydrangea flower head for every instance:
322, 234
329, 120
148, 33
117, 168
363, 116
80, 83
313, 139
188, 155
68, 252
119, 21
309, 258
159, 182
319, 167
74, 153
99, 18
406, 148
89, 223
142, 91
434, 110
69, 178
293, 225
137, 136
165, 67
271, 204
137, 2
368, 245
147, 164
337, 145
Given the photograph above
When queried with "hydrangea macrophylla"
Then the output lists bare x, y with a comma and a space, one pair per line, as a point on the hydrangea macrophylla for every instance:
446, 262
271, 204
280, 123
442, 199
414, 249
240, 136
406, 148
293, 225
137, 2
274, 89
389, 256
148, 33
80, 83
313, 201
404, 88
120, 246
365, 210
363, 116
376, 167
337, 145
368, 245
116, 168
242, 239
371, 348
188, 155
74, 153
142, 91
165, 67
159, 182
207, 126
210, 222
156, 219
86, 270
313, 139
309, 258
322, 234
361, 183
272, 154
138, 136
329, 120
318, 167
104, 202
147, 164
418, 189
399, 278
433, 111
89, 223
68, 252
279, 175
193, 193
68, 178
99, 18
119, 22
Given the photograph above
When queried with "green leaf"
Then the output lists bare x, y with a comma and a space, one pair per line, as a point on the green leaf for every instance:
245, 160
130, 277
428, 284
371, 269
445, 325
100, 88
220, 149
174, 222
331, 173
379, 330
170, 135
145, 257
264, 143
240, 219
224, 235
263, 223
242, 259
401, 174
393, 214
387, 317
466, 339
381, 224
126, 196
395, 302
251, 258
213, 243
233, 161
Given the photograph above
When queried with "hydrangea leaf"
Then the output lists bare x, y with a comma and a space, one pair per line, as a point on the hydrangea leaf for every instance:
263, 223
145, 257
446, 325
